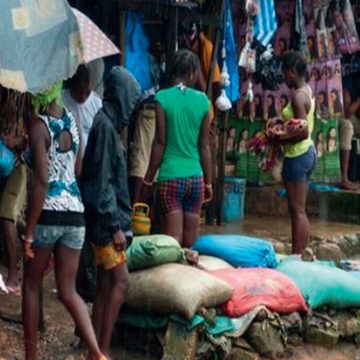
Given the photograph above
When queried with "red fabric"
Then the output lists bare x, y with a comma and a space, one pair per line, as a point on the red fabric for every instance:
255, 287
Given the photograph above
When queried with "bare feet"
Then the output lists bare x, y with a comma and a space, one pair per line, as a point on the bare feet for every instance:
347, 185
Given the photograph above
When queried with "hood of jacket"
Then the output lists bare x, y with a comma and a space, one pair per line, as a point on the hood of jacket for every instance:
121, 96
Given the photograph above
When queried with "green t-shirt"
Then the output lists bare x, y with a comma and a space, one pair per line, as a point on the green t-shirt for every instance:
185, 110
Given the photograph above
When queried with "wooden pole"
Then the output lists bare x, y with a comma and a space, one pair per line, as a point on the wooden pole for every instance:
122, 17
211, 209
223, 120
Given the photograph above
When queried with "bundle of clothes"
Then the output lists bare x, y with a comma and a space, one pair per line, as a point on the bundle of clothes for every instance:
267, 144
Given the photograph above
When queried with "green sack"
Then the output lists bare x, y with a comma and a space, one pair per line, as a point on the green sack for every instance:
153, 250
323, 285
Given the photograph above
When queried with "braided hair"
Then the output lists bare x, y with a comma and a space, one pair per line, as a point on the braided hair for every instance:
183, 64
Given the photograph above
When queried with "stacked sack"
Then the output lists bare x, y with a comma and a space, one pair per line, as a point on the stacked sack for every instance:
161, 285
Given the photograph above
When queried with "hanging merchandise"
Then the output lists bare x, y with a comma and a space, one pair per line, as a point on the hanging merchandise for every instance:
335, 28
298, 30
247, 59
351, 35
228, 55
268, 70
224, 77
265, 22
136, 50
321, 33
222, 102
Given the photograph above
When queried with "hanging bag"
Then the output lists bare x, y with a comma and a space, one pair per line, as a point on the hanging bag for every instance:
7, 160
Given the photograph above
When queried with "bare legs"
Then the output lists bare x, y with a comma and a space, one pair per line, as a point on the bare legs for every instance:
184, 227
66, 264
297, 194
346, 184
191, 229
8, 228
32, 283
110, 294
173, 225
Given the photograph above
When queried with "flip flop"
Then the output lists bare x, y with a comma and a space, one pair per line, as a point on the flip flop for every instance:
14, 291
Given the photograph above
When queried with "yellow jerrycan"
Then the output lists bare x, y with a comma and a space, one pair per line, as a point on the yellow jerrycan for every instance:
141, 223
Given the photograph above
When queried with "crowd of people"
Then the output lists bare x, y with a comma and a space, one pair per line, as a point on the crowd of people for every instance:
80, 189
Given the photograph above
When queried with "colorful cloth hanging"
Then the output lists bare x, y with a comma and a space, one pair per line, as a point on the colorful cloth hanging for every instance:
136, 50
228, 55
265, 22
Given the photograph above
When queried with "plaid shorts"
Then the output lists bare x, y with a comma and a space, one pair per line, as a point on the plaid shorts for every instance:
182, 194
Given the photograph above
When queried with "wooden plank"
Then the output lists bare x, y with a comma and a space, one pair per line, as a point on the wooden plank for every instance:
223, 119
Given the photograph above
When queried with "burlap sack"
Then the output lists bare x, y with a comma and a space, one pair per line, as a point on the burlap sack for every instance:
211, 263
175, 288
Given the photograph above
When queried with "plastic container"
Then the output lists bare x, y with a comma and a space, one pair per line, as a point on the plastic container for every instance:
141, 223
234, 199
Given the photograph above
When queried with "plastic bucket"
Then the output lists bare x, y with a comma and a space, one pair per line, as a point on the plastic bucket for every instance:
234, 199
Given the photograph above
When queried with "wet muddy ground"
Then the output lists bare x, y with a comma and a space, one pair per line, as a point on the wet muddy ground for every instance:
59, 342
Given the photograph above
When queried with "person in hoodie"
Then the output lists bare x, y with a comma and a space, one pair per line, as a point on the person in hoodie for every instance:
104, 190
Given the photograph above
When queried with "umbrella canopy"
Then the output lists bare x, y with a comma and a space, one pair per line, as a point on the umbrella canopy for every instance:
94, 42
44, 41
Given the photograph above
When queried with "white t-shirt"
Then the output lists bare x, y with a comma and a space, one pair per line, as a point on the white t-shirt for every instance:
85, 113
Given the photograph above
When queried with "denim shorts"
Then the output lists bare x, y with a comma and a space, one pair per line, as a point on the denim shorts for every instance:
47, 236
299, 168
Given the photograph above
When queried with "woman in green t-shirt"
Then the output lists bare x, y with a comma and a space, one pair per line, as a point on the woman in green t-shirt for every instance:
181, 150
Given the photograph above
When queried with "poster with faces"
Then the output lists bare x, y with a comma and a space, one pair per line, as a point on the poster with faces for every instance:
321, 31
257, 105
311, 40
284, 97
243, 108
334, 90
322, 106
341, 18
271, 105
284, 14
312, 76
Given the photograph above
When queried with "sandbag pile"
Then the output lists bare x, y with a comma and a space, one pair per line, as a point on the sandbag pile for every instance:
175, 288
244, 280
322, 285
239, 251
153, 250
256, 287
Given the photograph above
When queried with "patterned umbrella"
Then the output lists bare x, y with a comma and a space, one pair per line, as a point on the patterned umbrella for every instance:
44, 41
94, 42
